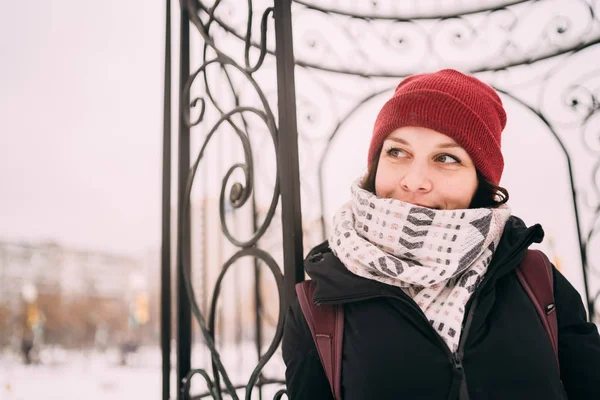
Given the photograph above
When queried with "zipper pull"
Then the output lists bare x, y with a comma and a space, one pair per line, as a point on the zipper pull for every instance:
457, 362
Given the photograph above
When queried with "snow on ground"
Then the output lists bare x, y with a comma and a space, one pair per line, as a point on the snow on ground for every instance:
91, 375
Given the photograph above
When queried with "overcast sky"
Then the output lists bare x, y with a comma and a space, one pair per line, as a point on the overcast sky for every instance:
81, 122
81, 133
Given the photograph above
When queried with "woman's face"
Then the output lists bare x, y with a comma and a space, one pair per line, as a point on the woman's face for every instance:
426, 168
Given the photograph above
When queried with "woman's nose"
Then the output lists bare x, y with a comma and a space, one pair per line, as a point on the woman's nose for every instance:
416, 179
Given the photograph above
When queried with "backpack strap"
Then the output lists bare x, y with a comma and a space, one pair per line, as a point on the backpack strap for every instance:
536, 277
326, 324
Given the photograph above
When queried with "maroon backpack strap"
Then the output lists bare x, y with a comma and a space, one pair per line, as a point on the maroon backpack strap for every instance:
326, 324
536, 277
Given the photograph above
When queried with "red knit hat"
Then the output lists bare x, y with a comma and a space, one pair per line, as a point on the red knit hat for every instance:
459, 106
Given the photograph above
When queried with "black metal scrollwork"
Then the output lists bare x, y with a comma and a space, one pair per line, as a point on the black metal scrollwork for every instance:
391, 40
205, 19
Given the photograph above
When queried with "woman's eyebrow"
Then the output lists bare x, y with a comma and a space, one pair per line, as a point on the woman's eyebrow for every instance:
398, 140
441, 145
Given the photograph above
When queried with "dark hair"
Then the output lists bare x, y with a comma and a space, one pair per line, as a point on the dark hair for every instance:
487, 195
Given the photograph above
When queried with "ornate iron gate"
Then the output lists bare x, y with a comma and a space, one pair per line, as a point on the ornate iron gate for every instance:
346, 59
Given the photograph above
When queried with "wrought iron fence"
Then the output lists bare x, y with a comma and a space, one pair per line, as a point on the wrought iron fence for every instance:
344, 59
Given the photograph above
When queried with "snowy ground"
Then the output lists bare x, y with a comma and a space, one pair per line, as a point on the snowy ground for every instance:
66, 375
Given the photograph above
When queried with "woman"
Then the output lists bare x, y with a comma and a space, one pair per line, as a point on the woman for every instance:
423, 259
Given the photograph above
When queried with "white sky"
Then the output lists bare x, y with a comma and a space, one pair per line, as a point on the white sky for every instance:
81, 122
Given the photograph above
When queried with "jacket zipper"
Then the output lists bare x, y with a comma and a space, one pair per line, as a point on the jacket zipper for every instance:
454, 358
460, 351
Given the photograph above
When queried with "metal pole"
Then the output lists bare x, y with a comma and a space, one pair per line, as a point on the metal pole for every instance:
165, 265
257, 296
184, 315
287, 151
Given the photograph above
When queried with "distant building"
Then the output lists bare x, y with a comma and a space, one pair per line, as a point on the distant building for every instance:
58, 272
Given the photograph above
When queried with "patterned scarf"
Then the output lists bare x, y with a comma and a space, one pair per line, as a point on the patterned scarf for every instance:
438, 257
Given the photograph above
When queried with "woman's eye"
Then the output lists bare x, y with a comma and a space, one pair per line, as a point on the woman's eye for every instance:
395, 152
447, 159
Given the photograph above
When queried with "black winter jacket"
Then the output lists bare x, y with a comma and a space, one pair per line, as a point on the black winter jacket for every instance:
391, 351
